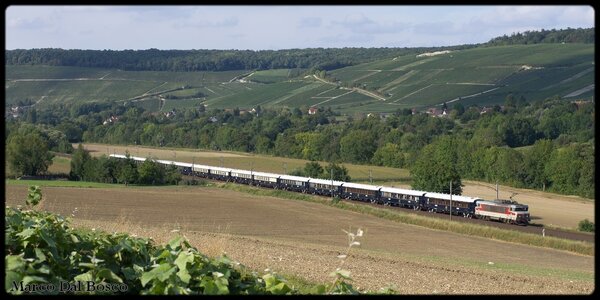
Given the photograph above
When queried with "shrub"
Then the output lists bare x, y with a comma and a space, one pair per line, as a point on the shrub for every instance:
587, 226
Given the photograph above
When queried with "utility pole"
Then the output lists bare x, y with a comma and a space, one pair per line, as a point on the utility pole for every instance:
497, 190
332, 184
450, 199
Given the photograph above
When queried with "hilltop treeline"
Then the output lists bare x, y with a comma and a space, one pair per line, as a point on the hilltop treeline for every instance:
569, 35
201, 60
209, 60
546, 145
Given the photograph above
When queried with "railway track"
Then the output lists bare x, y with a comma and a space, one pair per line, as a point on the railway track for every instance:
531, 228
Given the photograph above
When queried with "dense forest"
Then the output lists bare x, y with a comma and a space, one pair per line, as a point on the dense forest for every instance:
209, 60
569, 35
546, 145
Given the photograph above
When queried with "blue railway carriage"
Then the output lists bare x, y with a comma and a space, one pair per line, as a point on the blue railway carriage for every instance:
293, 183
362, 192
201, 170
185, 168
219, 173
461, 205
324, 187
402, 197
265, 179
241, 176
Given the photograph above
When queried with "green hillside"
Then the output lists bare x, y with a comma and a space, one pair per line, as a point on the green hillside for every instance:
482, 76
478, 76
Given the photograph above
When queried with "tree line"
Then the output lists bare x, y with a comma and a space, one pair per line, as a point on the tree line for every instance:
569, 35
126, 171
210, 60
545, 145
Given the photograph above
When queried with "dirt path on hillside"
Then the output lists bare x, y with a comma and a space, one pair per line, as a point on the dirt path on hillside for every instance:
304, 238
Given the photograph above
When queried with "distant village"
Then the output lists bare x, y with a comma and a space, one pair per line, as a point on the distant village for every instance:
435, 112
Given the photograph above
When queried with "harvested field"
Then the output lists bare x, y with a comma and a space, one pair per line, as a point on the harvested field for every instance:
99, 149
303, 238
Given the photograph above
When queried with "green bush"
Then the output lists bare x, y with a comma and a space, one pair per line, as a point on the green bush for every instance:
587, 226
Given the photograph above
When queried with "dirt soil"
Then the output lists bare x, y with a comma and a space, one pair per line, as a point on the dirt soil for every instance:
304, 239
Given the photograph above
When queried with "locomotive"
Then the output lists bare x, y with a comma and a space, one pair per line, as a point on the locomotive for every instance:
469, 207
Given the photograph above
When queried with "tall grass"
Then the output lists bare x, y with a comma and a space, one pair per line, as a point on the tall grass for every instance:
579, 247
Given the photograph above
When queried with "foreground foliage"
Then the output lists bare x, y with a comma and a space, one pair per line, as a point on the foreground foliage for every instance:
41, 248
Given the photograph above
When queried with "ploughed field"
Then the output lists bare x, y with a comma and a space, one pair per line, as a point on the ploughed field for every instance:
304, 239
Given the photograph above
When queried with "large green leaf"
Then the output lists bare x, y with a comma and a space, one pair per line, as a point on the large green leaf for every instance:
108, 274
10, 280
87, 276
162, 272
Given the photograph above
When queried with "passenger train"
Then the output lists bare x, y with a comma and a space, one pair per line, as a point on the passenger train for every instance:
469, 207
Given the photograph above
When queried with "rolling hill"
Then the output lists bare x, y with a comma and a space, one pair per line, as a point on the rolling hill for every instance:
482, 76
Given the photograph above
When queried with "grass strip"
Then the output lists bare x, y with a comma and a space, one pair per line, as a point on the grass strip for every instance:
63, 183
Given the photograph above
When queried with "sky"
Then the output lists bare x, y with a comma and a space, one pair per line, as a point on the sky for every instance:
276, 27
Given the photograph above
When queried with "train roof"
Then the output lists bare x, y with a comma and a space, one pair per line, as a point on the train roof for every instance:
325, 181
165, 162
219, 169
200, 166
291, 177
454, 197
361, 186
502, 202
131, 157
183, 164
241, 171
402, 191
272, 175
138, 158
